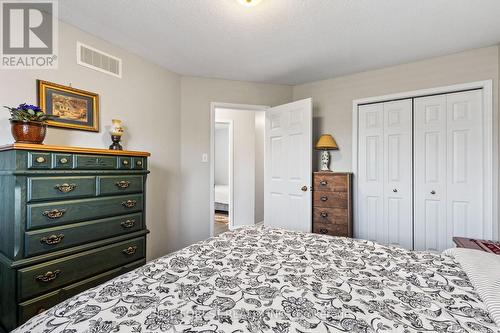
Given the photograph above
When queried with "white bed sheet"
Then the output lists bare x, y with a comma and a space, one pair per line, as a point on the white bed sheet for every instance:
222, 194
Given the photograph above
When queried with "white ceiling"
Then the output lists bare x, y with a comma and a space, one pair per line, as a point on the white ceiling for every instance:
287, 41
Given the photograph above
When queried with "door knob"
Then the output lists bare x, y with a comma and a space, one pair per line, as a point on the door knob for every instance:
395, 190
303, 188
433, 192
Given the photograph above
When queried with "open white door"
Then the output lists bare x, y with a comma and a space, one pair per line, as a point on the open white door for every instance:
288, 166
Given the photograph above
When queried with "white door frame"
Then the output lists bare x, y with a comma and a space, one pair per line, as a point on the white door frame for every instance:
490, 149
230, 168
232, 106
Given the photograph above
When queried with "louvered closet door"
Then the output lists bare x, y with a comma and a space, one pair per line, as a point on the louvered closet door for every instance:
384, 177
448, 169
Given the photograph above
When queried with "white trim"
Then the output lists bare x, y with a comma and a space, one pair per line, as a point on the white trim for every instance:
231, 166
213, 106
490, 186
84, 64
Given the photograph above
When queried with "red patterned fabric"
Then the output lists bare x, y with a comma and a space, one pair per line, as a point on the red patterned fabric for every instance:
489, 246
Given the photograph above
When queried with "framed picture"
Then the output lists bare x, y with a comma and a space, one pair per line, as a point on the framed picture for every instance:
77, 109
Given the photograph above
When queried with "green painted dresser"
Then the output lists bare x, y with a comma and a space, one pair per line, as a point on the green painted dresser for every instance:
70, 219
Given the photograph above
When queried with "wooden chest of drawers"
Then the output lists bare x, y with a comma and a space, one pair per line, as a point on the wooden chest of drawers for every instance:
332, 203
70, 218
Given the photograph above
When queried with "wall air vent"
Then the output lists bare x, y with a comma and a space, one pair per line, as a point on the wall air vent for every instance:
100, 61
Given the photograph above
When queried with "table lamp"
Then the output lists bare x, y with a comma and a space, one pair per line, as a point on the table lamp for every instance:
325, 143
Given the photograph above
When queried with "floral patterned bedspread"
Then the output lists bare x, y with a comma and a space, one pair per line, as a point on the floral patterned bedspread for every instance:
272, 280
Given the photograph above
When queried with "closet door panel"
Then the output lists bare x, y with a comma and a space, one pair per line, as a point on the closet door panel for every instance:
398, 218
430, 225
465, 165
370, 196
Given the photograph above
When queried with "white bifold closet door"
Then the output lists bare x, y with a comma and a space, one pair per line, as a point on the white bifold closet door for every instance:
448, 169
384, 197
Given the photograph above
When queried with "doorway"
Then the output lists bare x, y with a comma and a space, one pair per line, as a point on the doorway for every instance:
237, 166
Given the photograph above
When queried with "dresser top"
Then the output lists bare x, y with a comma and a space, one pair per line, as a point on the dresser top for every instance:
67, 149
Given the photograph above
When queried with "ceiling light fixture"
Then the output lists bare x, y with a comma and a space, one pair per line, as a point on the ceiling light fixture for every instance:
249, 3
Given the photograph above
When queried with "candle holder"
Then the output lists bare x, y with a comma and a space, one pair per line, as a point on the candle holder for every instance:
116, 132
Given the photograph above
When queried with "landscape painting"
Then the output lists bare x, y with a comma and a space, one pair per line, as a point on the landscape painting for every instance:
75, 108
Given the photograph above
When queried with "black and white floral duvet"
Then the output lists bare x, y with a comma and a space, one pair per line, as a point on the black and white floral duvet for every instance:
269, 280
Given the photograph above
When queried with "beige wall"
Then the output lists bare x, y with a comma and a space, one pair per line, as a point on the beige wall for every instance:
196, 96
332, 99
147, 99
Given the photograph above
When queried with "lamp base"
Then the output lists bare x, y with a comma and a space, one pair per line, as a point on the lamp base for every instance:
325, 161
116, 143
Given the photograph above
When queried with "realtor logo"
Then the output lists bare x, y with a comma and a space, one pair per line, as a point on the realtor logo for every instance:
29, 34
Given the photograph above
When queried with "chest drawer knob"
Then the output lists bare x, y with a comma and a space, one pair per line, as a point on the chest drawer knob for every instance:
130, 250
324, 214
40, 159
128, 224
54, 213
122, 184
63, 160
324, 198
323, 183
52, 239
65, 188
138, 163
125, 162
129, 203
49, 276
323, 231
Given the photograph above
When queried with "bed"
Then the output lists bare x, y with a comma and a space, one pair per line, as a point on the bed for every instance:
271, 280
222, 198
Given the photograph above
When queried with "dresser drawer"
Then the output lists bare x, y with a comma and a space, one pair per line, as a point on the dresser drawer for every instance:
330, 215
52, 239
95, 162
331, 229
330, 199
109, 185
38, 160
54, 274
60, 188
40, 304
45, 215
333, 183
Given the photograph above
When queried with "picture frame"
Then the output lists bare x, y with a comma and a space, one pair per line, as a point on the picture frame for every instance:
77, 109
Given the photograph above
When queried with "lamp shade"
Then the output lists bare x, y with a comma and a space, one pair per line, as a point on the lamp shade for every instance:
326, 142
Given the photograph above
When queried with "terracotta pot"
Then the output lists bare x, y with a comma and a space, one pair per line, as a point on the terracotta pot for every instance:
28, 132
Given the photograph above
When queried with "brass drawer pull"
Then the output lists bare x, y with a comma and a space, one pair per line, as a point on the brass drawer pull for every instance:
52, 239
129, 203
40, 159
123, 184
323, 183
130, 250
125, 162
324, 214
54, 213
324, 198
49, 276
128, 224
323, 231
64, 160
138, 163
65, 188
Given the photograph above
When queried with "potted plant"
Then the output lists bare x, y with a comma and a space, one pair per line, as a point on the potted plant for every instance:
28, 123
